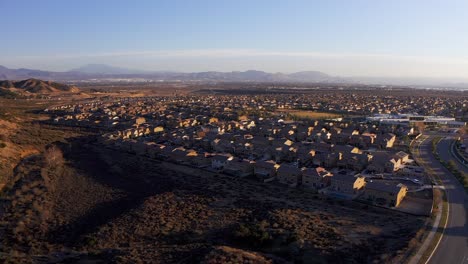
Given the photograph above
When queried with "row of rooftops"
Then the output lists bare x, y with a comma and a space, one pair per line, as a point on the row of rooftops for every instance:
357, 103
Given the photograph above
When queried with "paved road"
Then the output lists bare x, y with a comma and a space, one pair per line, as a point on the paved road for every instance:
453, 247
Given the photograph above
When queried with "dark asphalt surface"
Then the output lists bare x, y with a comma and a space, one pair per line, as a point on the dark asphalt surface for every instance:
453, 248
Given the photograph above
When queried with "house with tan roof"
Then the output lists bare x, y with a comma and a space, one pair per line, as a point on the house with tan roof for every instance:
348, 184
265, 170
383, 162
316, 178
384, 193
386, 140
239, 167
402, 156
356, 162
218, 161
179, 155
199, 159
289, 174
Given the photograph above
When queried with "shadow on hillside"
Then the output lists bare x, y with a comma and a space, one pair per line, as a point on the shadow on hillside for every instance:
75, 232
132, 181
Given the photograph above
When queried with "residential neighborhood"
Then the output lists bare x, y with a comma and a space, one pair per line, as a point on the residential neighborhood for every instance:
346, 157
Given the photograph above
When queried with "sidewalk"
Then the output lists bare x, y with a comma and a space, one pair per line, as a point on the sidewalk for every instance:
428, 240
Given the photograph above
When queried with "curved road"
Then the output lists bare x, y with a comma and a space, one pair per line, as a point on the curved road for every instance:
453, 247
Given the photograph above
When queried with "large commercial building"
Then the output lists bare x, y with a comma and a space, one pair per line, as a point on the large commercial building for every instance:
411, 119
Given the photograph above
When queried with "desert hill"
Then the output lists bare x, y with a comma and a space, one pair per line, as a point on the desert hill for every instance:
37, 86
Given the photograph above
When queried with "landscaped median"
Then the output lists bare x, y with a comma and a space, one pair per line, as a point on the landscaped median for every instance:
451, 165
457, 152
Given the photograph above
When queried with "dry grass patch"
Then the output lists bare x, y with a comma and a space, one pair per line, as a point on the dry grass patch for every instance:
314, 115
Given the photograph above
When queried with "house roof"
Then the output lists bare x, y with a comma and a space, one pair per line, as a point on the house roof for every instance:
401, 154
221, 158
381, 186
239, 164
344, 178
317, 172
286, 168
381, 158
265, 164
343, 148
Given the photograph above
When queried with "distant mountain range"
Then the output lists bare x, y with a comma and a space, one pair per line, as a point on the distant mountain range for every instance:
106, 72
34, 86
100, 71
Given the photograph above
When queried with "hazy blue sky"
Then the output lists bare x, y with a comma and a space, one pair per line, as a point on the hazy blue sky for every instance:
340, 37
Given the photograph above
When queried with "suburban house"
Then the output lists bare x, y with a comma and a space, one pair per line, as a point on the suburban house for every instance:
315, 178
363, 141
386, 140
153, 149
383, 162
402, 156
348, 184
198, 160
164, 152
179, 155
289, 174
218, 161
265, 170
356, 162
221, 145
411, 171
385, 193
327, 160
239, 167
346, 149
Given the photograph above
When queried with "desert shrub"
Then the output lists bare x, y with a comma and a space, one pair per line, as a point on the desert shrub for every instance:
90, 241
2, 144
53, 157
9, 94
292, 237
252, 235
